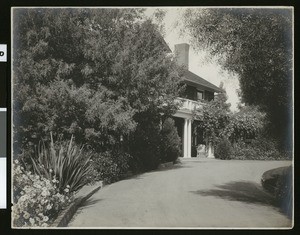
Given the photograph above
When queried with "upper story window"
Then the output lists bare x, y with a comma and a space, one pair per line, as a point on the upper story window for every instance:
200, 95
192, 93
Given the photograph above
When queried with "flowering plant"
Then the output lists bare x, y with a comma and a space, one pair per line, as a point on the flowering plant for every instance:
64, 161
37, 200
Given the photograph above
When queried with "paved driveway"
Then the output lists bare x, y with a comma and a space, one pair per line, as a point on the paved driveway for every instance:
198, 193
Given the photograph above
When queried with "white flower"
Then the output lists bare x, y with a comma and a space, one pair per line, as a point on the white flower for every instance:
26, 215
16, 161
31, 220
16, 216
45, 219
49, 207
22, 198
66, 190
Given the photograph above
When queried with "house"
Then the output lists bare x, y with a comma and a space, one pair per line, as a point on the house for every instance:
197, 90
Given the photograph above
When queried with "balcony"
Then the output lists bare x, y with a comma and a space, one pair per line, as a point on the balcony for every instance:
187, 106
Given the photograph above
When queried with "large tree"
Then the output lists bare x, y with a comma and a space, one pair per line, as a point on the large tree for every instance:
87, 72
256, 44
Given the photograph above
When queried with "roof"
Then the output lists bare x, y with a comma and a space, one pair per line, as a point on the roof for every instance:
191, 77
188, 75
162, 40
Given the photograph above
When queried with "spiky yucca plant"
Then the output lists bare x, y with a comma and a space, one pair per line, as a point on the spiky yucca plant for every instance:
63, 163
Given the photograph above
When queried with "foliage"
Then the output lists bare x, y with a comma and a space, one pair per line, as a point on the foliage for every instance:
87, 73
65, 162
213, 117
245, 124
145, 141
260, 148
37, 200
217, 121
223, 149
256, 44
111, 166
170, 144
106, 169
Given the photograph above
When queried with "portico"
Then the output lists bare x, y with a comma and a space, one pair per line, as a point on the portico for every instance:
189, 137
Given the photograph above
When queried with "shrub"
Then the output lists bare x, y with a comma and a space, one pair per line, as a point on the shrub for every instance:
36, 200
106, 169
111, 166
170, 144
123, 160
258, 149
146, 140
65, 162
223, 149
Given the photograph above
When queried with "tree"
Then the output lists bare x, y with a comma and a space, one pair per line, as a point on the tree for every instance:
214, 116
87, 73
170, 141
256, 44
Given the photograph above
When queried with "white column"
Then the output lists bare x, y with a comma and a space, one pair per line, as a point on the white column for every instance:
210, 151
185, 139
189, 139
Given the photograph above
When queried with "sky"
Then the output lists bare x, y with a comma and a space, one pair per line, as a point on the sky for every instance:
197, 63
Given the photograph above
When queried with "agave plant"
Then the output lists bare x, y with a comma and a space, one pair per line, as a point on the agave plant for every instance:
64, 163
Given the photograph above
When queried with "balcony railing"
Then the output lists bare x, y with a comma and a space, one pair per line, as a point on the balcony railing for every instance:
189, 105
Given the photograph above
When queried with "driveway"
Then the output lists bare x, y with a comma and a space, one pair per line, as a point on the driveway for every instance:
205, 193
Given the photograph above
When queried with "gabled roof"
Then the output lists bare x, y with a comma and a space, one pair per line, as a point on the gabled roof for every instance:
191, 77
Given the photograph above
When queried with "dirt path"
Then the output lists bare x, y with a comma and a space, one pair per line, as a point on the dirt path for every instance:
199, 193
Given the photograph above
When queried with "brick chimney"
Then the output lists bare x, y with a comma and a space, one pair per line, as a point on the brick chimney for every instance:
182, 54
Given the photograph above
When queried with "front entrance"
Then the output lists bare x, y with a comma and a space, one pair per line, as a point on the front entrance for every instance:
192, 139
198, 144
191, 136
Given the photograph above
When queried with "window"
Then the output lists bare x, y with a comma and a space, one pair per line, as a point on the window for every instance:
209, 95
200, 95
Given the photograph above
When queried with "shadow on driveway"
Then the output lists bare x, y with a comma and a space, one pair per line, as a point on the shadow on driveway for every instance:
243, 191
89, 203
